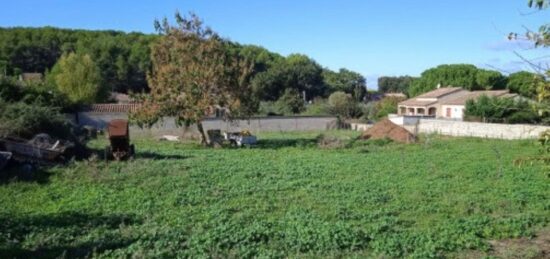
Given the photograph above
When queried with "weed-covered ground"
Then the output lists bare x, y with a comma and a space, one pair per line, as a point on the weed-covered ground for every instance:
284, 198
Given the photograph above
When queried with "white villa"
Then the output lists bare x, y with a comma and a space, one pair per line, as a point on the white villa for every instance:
445, 102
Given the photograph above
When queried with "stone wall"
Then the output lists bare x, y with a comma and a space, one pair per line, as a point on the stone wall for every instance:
255, 124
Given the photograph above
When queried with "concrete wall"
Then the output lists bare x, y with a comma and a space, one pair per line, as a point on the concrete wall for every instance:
477, 129
407, 119
255, 124
458, 128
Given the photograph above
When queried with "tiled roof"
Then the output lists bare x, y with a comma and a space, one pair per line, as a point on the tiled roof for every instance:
461, 100
439, 92
414, 102
112, 107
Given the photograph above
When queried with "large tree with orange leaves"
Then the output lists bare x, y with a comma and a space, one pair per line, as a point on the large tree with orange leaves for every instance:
193, 75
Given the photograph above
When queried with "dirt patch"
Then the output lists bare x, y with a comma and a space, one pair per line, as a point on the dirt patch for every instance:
387, 129
534, 248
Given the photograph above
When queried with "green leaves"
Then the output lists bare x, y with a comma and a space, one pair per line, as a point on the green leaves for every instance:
287, 198
78, 77
458, 75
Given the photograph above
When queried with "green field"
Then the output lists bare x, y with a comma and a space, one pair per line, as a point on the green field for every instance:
284, 198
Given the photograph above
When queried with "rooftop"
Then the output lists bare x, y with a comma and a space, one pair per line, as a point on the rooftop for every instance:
112, 107
414, 102
439, 92
461, 100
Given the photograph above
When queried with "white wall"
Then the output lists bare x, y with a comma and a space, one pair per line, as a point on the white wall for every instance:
478, 129
469, 129
456, 111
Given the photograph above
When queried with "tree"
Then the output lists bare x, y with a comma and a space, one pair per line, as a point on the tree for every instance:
460, 75
346, 81
541, 38
296, 71
387, 105
343, 105
193, 75
489, 80
123, 58
503, 110
523, 83
401, 84
290, 102
78, 77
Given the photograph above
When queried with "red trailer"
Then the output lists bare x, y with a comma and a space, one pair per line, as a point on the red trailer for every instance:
119, 137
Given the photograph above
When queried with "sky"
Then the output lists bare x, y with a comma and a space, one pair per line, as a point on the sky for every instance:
373, 37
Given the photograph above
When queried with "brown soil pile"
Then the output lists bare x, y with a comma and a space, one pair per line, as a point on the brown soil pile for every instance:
535, 247
387, 129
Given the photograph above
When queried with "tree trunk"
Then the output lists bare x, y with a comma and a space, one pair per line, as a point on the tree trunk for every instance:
201, 131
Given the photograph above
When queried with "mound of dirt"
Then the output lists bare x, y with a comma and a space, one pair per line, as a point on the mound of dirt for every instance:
387, 129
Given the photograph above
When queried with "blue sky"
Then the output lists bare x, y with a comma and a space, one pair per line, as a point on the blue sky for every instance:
373, 37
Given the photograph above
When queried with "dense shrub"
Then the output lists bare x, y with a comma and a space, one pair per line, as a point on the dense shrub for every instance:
79, 78
387, 105
319, 106
290, 102
25, 120
501, 110
267, 108
344, 105
40, 93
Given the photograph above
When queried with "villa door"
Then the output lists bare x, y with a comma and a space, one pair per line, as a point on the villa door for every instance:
448, 112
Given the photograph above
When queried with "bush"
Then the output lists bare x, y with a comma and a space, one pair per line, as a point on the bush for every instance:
318, 107
268, 108
79, 78
36, 93
387, 105
290, 102
523, 117
501, 110
344, 105
25, 120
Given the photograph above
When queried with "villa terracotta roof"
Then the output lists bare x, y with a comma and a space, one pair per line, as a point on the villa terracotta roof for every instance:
461, 100
414, 102
112, 107
439, 92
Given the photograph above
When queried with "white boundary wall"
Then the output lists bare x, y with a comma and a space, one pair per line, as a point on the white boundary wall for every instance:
477, 129
464, 129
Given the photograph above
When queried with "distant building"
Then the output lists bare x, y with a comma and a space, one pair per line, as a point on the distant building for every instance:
396, 95
120, 98
445, 102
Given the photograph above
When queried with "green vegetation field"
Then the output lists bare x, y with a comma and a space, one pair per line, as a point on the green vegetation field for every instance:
285, 198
